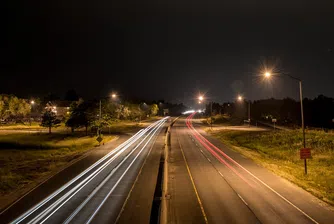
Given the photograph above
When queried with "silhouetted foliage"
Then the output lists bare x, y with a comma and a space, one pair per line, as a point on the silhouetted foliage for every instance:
49, 119
318, 112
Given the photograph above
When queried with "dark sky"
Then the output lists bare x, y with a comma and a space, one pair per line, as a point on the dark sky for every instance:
168, 50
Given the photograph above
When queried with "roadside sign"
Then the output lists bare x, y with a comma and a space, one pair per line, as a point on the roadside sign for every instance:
274, 120
305, 153
99, 139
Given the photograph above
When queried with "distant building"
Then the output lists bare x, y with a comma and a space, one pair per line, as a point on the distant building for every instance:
59, 107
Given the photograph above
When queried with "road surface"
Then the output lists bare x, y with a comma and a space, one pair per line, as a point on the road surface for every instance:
98, 194
210, 183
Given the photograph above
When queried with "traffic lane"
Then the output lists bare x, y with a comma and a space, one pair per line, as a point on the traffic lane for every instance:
58, 180
142, 194
267, 207
220, 201
111, 208
183, 205
312, 206
75, 193
111, 173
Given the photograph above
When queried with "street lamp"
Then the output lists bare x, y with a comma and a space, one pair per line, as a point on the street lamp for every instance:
200, 99
240, 98
31, 105
113, 95
268, 75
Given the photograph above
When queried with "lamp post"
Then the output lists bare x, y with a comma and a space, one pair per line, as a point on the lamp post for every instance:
240, 98
200, 99
268, 75
31, 106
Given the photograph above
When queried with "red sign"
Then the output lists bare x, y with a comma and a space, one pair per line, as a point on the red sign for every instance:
305, 153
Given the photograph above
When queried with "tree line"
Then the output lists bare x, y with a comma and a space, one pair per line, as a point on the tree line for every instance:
12, 107
86, 114
318, 112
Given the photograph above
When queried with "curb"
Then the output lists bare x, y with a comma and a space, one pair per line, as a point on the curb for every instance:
164, 211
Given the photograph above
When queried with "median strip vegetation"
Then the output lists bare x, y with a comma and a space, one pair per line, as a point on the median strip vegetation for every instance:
279, 152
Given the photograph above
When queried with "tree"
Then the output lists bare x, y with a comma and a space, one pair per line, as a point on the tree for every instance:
81, 116
154, 109
49, 119
2, 108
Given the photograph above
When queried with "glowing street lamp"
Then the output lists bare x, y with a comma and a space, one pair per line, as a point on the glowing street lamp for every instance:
200, 99
268, 75
240, 99
113, 95
32, 102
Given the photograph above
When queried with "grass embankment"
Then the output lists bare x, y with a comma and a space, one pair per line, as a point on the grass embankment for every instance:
26, 158
279, 151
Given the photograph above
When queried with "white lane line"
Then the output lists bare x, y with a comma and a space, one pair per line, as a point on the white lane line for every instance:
208, 159
220, 173
266, 185
75, 190
242, 199
80, 207
119, 180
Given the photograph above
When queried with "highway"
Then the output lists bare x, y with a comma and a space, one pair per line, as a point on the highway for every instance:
97, 194
210, 183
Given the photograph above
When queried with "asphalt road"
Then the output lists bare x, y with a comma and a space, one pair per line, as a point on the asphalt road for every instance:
219, 185
96, 195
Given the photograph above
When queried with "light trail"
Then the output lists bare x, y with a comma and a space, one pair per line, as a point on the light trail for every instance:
154, 130
119, 180
36, 207
103, 163
196, 133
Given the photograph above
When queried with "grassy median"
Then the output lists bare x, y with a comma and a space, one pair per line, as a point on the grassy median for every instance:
279, 152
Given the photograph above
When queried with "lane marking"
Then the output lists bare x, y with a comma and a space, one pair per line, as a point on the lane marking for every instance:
193, 183
208, 159
242, 199
220, 173
266, 185
135, 182
119, 180
56, 204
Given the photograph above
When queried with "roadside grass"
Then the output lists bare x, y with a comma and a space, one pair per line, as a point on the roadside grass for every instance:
29, 155
279, 152
223, 119
26, 158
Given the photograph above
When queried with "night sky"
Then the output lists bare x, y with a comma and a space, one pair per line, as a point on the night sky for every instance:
168, 50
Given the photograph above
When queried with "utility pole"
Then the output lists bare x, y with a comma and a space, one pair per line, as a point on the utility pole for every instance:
100, 114
302, 116
249, 108
211, 115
